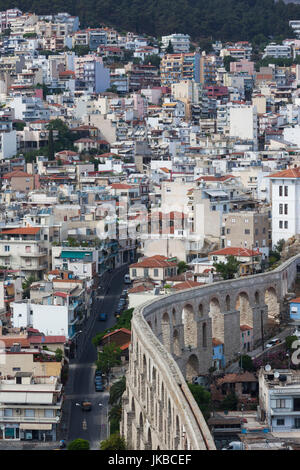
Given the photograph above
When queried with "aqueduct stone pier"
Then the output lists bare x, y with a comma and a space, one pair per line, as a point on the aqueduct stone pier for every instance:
172, 342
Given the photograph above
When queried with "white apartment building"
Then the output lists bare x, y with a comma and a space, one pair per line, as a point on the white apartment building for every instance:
29, 109
243, 123
277, 51
285, 204
279, 400
180, 42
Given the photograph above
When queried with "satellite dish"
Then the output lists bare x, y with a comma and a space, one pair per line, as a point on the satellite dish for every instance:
268, 368
276, 375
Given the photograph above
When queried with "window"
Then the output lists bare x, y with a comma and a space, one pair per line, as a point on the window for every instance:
280, 403
247, 231
286, 190
280, 190
29, 413
155, 272
285, 209
213, 208
48, 413
286, 224
256, 231
27, 249
297, 423
6, 248
146, 272
280, 208
8, 412
246, 221
280, 224
228, 231
233, 221
280, 422
296, 404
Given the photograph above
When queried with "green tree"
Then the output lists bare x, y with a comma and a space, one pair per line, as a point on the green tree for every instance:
114, 442
116, 391
79, 444
59, 354
289, 342
153, 59
182, 267
279, 245
26, 286
247, 363
228, 269
202, 398
229, 403
170, 48
227, 61
108, 358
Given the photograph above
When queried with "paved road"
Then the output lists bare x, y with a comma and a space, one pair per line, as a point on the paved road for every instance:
235, 367
91, 425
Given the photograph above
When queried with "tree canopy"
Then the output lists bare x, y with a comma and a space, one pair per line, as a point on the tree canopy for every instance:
217, 19
228, 269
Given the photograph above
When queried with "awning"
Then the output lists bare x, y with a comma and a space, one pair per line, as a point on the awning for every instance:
40, 426
215, 193
75, 254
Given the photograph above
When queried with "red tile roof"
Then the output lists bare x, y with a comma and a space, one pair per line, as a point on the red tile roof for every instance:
245, 328
289, 173
236, 251
156, 261
187, 285
47, 339
21, 231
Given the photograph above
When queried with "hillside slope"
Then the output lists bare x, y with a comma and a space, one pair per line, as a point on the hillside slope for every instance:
219, 19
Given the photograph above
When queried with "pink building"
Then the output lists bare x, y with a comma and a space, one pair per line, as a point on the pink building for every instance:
242, 65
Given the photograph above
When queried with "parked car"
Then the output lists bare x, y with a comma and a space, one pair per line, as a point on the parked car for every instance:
235, 445
127, 279
99, 387
273, 342
98, 373
102, 316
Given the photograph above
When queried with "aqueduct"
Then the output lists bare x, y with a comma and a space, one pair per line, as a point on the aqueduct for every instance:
172, 342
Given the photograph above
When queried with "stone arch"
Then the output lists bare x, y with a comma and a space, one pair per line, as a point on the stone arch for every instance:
144, 378
245, 309
227, 303
256, 297
169, 424
271, 300
190, 326
217, 319
176, 343
192, 367
166, 332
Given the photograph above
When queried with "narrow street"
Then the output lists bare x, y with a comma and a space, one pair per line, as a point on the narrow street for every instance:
91, 425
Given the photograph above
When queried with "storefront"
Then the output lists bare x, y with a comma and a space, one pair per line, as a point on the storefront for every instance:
9, 431
37, 432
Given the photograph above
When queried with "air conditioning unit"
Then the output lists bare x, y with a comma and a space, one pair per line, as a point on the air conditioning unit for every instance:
18, 410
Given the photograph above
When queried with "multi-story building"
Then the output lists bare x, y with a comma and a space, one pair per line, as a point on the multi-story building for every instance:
277, 51
91, 73
180, 42
279, 400
30, 406
243, 123
285, 204
177, 67
246, 229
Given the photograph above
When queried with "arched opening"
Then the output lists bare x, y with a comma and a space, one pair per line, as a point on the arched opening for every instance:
176, 343
204, 335
177, 434
192, 367
174, 321
165, 328
256, 298
272, 303
150, 324
200, 311
169, 423
149, 440
246, 312
140, 433
217, 319
227, 302
144, 379
190, 326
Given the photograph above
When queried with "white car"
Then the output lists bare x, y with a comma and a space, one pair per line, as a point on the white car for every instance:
273, 342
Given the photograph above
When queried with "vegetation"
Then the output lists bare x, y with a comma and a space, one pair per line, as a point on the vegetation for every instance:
123, 322
108, 358
289, 343
182, 267
202, 398
229, 403
26, 286
114, 442
229, 269
116, 391
59, 354
230, 20
79, 444
246, 363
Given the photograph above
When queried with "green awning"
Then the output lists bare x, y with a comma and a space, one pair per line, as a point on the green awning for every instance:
75, 254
